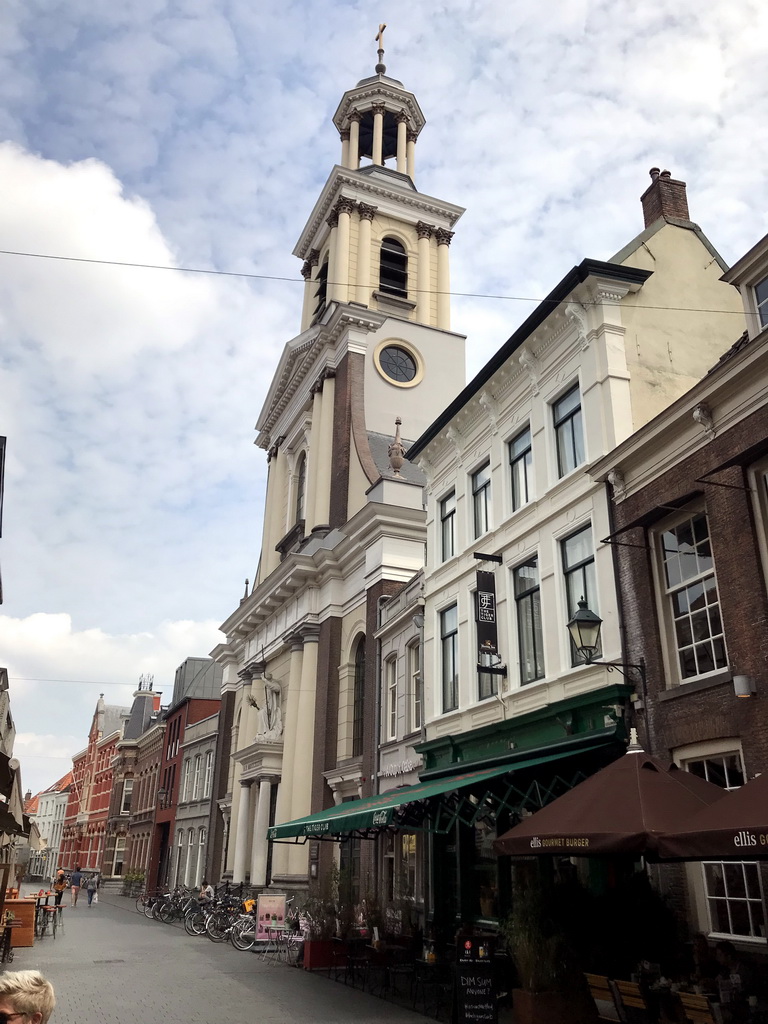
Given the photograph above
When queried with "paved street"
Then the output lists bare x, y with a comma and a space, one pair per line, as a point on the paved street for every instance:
112, 966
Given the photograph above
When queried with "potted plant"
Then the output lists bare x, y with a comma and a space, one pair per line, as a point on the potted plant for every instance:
318, 913
550, 986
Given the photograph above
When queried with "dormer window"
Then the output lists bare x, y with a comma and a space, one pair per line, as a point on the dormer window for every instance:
393, 271
761, 301
321, 291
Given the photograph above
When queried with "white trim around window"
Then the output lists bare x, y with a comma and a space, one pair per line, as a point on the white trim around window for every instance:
689, 602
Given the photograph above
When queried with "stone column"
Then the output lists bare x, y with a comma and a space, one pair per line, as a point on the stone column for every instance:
241, 832
402, 142
410, 150
259, 842
325, 449
354, 140
443, 279
363, 284
344, 208
378, 133
423, 292
344, 147
301, 798
309, 273
284, 811
314, 455
332, 220
275, 526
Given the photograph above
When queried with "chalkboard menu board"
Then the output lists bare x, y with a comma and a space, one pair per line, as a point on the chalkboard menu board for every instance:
475, 988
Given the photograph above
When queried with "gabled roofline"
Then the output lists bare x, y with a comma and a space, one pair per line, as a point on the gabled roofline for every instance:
587, 268
655, 227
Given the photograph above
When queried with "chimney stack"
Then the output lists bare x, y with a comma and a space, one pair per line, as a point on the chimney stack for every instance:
665, 197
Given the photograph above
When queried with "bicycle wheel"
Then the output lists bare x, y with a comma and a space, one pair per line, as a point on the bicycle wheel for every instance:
156, 907
217, 927
243, 935
166, 912
194, 923
149, 905
141, 902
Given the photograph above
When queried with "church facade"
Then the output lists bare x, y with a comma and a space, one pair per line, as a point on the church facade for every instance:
344, 523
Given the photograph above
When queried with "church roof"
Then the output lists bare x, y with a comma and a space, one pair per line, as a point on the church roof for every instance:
379, 446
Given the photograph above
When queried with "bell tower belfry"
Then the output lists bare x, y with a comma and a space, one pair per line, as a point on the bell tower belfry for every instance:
372, 238
375, 338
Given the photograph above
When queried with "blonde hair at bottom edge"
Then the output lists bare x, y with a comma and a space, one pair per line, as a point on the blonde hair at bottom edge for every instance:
29, 992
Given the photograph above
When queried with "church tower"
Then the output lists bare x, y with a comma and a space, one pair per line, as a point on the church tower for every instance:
342, 526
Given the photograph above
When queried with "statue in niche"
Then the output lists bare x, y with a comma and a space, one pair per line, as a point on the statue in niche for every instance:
271, 713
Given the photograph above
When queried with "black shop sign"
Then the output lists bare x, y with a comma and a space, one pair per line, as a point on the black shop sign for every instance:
476, 991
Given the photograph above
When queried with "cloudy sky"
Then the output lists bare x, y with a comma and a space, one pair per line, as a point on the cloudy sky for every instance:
191, 133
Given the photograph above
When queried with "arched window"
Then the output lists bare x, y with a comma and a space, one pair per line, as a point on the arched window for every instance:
393, 268
359, 699
321, 291
301, 485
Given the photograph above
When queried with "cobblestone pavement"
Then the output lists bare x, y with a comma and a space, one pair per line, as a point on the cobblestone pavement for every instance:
112, 966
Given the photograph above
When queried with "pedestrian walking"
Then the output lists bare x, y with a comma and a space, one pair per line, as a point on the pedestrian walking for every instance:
59, 885
75, 882
26, 994
90, 887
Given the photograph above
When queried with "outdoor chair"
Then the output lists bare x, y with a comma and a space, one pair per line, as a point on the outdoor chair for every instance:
631, 1003
602, 993
696, 1009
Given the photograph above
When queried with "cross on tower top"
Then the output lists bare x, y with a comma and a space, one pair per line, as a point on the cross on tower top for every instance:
381, 66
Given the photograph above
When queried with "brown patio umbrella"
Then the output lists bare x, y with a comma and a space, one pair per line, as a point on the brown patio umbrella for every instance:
621, 809
735, 827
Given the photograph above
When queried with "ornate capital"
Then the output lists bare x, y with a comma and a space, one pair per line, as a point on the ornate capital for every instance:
344, 134
703, 415
378, 108
332, 220
618, 483
344, 205
577, 314
443, 236
365, 211
355, 115
411, 135
313, 257
401, 117
424, 230
306, 270
531, 365
329, 373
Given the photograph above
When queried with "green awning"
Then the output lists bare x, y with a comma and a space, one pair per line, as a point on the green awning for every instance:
387, 810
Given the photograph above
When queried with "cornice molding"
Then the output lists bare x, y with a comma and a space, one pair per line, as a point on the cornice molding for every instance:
342, 179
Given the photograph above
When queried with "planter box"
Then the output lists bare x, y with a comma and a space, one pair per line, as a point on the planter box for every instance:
319, 954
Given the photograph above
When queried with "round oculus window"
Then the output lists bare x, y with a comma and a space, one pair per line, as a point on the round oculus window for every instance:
398, 364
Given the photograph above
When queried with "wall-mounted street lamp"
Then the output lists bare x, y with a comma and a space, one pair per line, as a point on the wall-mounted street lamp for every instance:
584, 628
161, 795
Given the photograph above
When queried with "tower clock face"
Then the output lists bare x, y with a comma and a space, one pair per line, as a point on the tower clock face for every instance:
398, 364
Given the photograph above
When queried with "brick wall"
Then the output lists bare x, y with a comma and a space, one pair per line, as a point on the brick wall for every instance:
705, 710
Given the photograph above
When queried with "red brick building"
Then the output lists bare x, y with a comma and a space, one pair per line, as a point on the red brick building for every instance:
149, 759
144, 712
85, 821
196, 695
690, 494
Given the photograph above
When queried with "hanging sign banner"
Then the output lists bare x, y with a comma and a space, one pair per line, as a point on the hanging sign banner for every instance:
487, 637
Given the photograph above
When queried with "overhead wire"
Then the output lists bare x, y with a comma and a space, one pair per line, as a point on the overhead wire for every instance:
295, 280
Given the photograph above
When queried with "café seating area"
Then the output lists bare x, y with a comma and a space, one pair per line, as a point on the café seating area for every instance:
659, 1001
